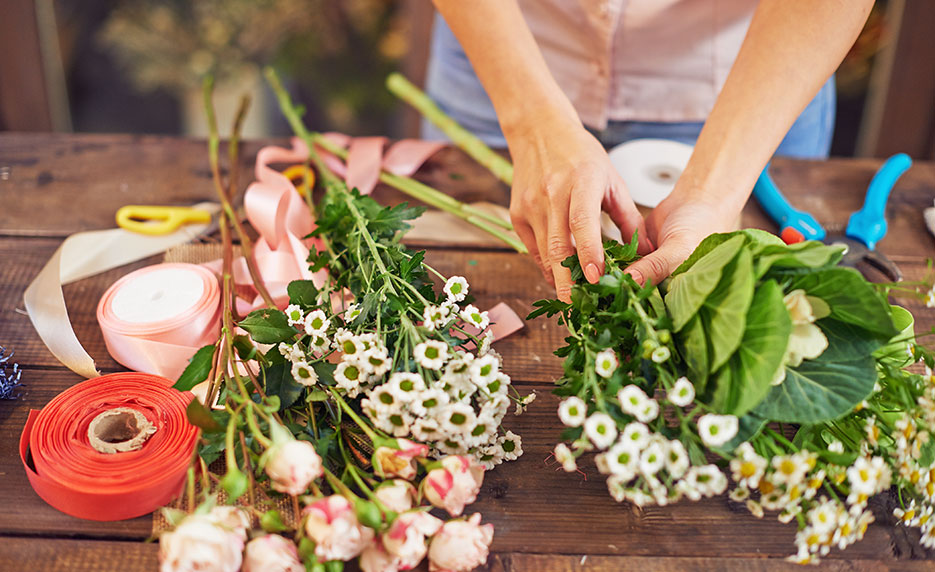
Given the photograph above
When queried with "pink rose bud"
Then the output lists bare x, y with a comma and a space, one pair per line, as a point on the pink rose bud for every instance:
405, 538
454, 485
332, 523
233, 519
375, 558
200, 543
397, 494
460, 545
292, 465
271, 553
398, 462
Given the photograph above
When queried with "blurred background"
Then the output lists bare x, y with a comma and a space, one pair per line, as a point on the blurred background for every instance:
135, 66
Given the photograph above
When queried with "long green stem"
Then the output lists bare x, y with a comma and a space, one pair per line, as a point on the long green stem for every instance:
467, 141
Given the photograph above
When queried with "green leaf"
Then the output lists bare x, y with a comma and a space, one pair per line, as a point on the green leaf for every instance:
271, 521
808, 254
199, 416
743, 383
279, 382
753, 237
851, 298
235, 483
894, 353
724, 312
197, 370
824, 388
245, 348
688, 291
303, 292
268, 326
749, 426
695, 351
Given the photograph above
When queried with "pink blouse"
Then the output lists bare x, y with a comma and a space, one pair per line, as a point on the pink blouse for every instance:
639, 60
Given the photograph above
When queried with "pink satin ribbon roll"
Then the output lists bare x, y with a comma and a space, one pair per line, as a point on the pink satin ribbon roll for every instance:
154, 319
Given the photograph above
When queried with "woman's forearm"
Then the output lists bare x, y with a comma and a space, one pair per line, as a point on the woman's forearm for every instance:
507, 61
791, 49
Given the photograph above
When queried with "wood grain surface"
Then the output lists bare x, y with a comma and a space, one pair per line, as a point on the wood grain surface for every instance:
545, 519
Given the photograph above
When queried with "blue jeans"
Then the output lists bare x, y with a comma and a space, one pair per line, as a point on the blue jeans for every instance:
451, 82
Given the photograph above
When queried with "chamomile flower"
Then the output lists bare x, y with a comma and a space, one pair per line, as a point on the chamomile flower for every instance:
431, 354
716, 430
635, 434
653, 458
294, 315
632, 399
677, 461
601, 430
484, 369
382, 399
304, 374
605, 363
351, 345
457, 419
747, 467
564, 456
425, 429
435, 317
649, 411
376, 361
471, 315
823, 518
406, 386
316, 323
682, 393
351, 313
523, 402
319, 344
349, 378
428, 402
293, 352
661, 354
789, 470
572, 411
456, 288
486, 340
512, 446
622, 460
836, 446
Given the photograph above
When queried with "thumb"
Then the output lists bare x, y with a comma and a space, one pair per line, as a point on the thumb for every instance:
657, 266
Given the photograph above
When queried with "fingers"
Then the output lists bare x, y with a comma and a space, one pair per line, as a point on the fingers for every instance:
584, 221
618, 204
657, 266
558, 243
528, 236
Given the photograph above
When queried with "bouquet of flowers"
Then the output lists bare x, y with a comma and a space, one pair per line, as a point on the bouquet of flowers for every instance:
369, 400
758, 366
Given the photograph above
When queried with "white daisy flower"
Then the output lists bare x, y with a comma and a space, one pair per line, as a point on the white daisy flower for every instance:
653, 458
304, 374
351, 313
484, 369
499, 386
512, 446
789, 470
649, 411
497, 406
376, 361
572, 411
431, 354
349, 378
824, 517
406, 386
836, 446
316, 323
382, 399
457, 419
716, 430
399, 423
471, 315
622, 460
319, 344
435, 317
425, 429
635, 434
294, 315
677, 461
564, 456
632, 399
293, 352
428, 402
747, 467
601, 430
605, 363
456, 288
523, 402
682, 393
452, 445
708, 479
661, 354
486, 340
352, 346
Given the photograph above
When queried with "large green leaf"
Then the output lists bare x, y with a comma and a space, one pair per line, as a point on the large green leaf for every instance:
280, 383
809, 254
851, 298
753, 237
724, 312
895, 352
688, 291
694, 346
268, 326
745, 380
197, 370
826, 387
748, 427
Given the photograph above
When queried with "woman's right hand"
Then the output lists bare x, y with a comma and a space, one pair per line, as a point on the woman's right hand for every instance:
562, 181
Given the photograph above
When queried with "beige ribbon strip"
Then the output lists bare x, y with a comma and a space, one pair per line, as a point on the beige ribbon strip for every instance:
82, 255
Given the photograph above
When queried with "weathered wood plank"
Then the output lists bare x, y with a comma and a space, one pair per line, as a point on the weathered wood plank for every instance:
56, 555
566, 563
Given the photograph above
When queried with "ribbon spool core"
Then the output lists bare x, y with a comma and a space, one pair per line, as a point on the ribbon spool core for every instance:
119, 430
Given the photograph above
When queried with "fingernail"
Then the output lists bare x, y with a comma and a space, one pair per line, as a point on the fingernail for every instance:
591, 273
636, 274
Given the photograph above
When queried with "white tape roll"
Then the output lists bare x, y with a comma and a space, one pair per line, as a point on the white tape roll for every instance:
650, 167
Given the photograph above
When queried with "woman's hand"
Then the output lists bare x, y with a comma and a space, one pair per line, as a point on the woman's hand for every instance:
677, 225
562, 180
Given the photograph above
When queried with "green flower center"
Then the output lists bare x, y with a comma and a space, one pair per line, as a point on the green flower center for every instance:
352, 373
386, 398
431, 352
458, 418
509, 446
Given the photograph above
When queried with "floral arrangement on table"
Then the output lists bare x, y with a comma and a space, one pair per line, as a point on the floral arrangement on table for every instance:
370, 400
760, 367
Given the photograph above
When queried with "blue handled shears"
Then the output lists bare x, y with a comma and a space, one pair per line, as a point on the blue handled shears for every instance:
865, 228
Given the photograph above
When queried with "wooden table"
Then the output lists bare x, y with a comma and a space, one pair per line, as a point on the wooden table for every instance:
55, 185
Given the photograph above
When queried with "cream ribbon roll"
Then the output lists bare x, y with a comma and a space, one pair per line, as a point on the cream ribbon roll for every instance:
156, 318
650, 167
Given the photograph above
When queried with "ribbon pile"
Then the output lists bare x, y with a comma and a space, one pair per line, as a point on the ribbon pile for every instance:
69, 474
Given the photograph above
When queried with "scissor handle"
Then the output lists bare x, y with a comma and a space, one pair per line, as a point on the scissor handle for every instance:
868, 225
794, 225
156, 220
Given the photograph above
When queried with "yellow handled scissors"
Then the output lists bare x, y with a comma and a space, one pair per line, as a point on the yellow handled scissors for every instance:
157, 220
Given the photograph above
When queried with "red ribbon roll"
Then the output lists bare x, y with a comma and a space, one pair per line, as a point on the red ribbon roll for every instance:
73, 477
